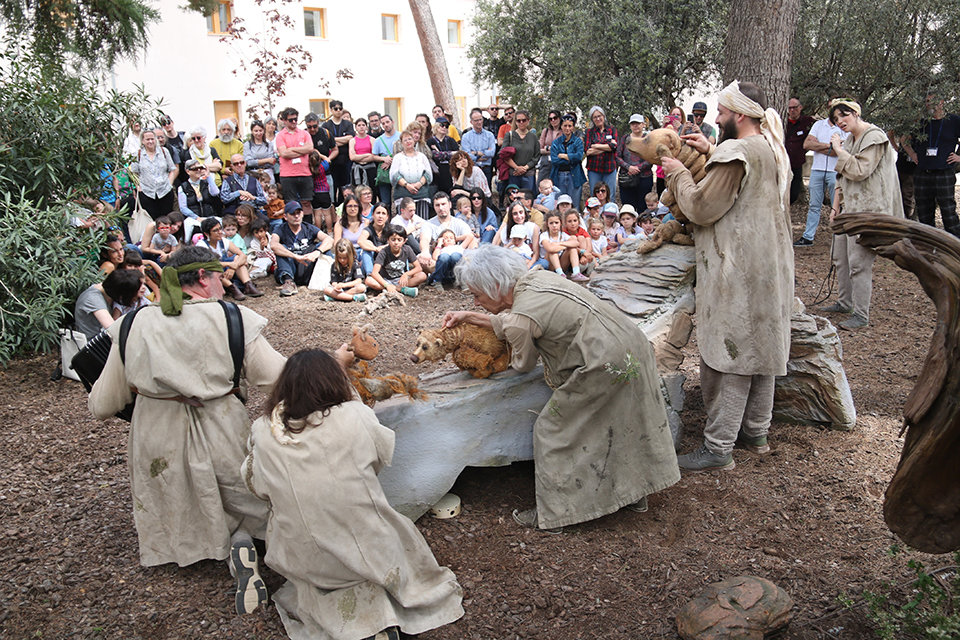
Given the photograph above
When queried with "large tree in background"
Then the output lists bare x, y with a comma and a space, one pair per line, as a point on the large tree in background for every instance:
87, 33
433, 56
887, 54
759, 46
627, 55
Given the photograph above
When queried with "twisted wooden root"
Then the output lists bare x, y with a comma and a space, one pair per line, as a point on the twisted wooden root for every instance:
922, 503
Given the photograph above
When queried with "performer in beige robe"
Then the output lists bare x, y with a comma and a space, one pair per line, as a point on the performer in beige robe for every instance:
189, 431
866, 182
602, 441
354, 565
741, 229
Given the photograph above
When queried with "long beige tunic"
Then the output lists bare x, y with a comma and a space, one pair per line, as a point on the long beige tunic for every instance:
184, 461
601, 442
867, 174
354, 566
744, 258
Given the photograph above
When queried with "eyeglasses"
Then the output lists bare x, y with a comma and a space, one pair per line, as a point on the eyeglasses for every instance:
336, 108
508, 113
523, 119
313, 125
553, 117
568, 118
197, 137
193, 168
292, 119
476, 197
237, 164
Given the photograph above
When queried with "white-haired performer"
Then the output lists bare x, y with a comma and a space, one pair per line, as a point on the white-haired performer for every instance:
741, 227
602, 441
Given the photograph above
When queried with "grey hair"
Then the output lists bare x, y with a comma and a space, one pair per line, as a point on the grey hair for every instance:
199, 129
491, 270
226, 122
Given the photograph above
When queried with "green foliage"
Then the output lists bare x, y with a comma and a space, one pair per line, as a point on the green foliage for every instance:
884, 53
44, 264
929, 612
92, 32
625, 55
57, 131
632, 368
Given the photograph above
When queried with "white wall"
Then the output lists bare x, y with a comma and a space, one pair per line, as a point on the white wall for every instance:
190, 68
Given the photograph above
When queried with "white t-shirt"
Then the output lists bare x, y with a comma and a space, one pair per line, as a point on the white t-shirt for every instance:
546, 236
527, 226
524, 250
822, 130
599, 244
458, 226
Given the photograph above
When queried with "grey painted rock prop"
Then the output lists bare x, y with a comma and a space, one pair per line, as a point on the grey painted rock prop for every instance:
815, 389
745, 607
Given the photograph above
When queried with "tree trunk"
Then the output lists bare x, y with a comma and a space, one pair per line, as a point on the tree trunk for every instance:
433, 56
760, 46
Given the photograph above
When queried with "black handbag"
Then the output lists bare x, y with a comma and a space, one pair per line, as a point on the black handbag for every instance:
90, 360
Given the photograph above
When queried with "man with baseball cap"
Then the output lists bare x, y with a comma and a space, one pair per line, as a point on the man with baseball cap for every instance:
699, 112
744, 271
298, 245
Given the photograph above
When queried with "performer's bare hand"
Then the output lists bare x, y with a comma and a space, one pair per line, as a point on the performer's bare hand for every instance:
670, 164
453, 318
344, 355
698, 141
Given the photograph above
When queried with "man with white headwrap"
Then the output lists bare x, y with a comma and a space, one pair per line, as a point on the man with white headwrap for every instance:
741, 228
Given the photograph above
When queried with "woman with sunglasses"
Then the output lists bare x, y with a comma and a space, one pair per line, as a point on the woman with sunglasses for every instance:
259, 153
466, 175
523, 164
566, 156
485, 213
547, 136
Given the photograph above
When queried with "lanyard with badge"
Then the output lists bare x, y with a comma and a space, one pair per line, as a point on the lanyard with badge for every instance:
932, 150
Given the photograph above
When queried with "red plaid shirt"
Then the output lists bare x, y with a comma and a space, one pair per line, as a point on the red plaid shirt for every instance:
605, 162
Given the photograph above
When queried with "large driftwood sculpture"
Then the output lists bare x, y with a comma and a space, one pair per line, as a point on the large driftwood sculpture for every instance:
922, 504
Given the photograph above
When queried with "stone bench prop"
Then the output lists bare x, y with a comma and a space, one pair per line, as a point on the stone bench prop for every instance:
489, 422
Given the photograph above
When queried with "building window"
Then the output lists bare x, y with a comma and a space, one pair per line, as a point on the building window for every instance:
394, 108
389, 24
315, 23
453, 33
219, 21
462, 109
321, 107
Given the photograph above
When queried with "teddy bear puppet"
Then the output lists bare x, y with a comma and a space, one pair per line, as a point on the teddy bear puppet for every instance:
474, 349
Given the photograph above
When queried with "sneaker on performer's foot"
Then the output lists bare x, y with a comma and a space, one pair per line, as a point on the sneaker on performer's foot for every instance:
251, 591
640, 506
528, 519
705, 460
802, 242
836, 307
856, 321
756, 444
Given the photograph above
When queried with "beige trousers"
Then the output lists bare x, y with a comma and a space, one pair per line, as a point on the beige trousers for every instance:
854, 274
733, 402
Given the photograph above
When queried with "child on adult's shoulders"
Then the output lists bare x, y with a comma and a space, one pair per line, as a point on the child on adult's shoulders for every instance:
346, 275
396, 268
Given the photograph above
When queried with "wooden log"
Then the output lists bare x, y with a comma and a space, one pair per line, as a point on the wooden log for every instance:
922, 503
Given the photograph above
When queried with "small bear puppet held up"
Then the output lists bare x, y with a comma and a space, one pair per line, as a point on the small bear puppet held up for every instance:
370, 387
476, 350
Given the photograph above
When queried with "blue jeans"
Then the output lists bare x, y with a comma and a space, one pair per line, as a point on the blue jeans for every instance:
542, 262
610, 179
366, 262
820, 182
526, 181
443, 272
487, 236
385, 190
565, 184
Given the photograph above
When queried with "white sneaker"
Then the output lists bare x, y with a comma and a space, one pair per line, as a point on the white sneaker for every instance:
251, 591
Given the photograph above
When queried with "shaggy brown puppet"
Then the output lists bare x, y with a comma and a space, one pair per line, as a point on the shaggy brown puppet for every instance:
372, 388
656, 144
922, 503
475, 350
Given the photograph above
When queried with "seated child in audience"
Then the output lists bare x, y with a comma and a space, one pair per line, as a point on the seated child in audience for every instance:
518, 242
646, 225
591, 209
610, 226
264, 260
275, 203
346, 276
151, 272
628, 225
558, 250
564, 204
409, 221
118, 308
596, 245
163, 242
572, 227
447, 245
652, 202
396, 267
464, 211
230, 227
546, 200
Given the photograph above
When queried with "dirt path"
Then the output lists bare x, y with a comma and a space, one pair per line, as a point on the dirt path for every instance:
808, 516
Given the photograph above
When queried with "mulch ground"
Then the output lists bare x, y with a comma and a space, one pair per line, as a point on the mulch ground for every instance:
807, 516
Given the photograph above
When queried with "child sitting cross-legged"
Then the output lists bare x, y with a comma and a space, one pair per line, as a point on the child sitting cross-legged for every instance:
259, 253
628, 223
446, 246
396, 267
558, 250
346, 276
597, 249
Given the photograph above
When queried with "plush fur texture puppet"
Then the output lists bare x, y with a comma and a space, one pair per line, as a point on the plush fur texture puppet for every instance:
475, 350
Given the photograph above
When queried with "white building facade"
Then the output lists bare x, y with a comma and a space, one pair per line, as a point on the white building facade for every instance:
189, 66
